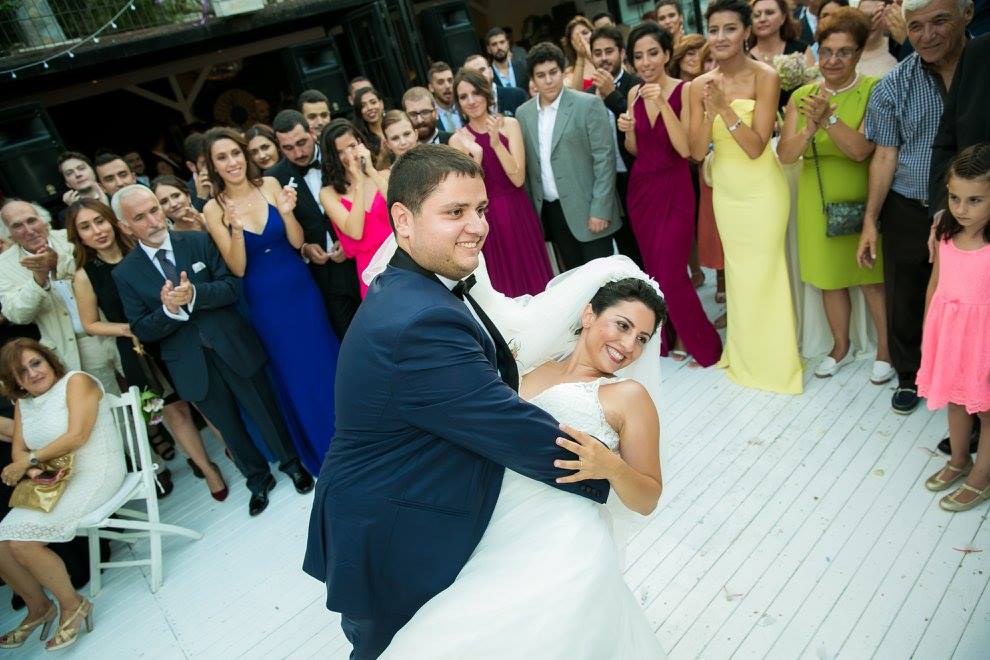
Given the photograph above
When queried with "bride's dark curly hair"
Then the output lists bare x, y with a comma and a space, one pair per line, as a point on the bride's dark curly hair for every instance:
631, 289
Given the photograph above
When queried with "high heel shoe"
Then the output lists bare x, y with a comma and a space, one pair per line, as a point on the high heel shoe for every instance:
20, 634
67, 634
219, 495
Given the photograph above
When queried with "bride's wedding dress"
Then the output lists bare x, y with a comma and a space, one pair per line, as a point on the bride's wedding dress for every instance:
545, 580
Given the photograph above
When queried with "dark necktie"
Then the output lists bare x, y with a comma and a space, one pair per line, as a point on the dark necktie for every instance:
171, 272
504, 360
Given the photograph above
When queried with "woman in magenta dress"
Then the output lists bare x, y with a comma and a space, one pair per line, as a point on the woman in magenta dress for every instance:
349, 179
661, 197
514, 250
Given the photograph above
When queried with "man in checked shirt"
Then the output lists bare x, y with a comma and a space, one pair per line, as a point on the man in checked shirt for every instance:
902, 119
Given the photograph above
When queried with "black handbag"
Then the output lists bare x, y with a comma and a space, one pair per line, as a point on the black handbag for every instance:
841, 218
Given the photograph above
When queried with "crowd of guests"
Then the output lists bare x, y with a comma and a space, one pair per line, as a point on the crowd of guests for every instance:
227, 293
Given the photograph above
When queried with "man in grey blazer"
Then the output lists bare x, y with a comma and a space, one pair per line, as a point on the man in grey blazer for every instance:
570, 162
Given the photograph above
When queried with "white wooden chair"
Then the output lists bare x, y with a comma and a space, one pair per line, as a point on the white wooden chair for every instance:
139, 484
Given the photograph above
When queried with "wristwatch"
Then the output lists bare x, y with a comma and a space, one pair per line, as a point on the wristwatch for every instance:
32, 459
831, 121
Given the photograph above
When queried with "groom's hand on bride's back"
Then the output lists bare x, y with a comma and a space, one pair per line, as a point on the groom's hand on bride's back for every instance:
593, 460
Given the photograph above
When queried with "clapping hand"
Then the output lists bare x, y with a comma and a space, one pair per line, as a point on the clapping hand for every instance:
652, 92
494, 126
815, 108
192, 216
626, 122
893, 19
182, 294
594, 459
41, 263
604, 84
286, 200
470, 144
714, 97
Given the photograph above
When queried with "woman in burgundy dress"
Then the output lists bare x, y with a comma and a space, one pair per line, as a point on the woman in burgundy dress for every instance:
514, 250
661, 197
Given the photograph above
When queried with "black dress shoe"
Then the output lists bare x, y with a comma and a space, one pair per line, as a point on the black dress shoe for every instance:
300, 478
165, 484
974, 439
259, 500
905, 399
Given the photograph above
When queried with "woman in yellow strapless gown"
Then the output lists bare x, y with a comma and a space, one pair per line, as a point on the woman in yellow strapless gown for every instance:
751, 201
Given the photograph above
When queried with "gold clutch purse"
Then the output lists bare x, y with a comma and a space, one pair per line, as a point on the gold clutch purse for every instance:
41, 493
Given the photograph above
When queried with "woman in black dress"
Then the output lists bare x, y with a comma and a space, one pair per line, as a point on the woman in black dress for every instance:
99, 247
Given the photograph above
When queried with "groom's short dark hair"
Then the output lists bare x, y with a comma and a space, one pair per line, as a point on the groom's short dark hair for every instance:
419, 172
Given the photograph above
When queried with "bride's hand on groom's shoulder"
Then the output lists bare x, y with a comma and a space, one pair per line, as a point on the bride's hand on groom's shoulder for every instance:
594, 459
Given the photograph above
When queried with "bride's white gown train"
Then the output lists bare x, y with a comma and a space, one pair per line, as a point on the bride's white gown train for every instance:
545, 580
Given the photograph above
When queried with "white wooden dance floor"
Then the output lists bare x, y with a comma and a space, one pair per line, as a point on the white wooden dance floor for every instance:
789, 527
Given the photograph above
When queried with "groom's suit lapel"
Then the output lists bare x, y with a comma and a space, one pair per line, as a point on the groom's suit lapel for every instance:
403, 261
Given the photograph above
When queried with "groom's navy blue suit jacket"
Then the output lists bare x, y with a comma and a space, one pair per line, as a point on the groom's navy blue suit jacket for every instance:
424, 428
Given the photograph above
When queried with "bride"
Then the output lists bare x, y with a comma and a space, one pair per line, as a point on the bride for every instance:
546, 579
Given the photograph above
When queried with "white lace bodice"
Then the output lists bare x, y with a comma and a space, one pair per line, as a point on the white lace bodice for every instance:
577, 404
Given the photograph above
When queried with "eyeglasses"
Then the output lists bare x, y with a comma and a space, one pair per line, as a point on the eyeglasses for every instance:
422, 114
842, 53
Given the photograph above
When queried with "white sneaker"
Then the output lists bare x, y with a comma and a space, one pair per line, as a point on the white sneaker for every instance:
829, 367
882, 372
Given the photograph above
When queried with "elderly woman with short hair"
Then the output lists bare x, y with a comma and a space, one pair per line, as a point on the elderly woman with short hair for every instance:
58, 413
824, 124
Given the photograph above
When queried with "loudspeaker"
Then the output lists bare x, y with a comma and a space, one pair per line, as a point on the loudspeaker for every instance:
29, 150
317, 65
448, 33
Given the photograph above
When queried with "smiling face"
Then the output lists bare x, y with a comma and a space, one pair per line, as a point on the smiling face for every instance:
969, 201
447, 234
938, 31
297, 145
317, 115
837, 58
726, 35
263, 152
25, 226
650, 59
691, 64
144, 218
34, 374
471, 100
78, 175
229, 161
371, 108
401, 137
114, 175
172, 200
423, 116
615, 338
767, 18
94, 230
442, 86
608, 55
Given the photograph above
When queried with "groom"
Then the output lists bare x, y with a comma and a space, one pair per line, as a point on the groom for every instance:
427, 415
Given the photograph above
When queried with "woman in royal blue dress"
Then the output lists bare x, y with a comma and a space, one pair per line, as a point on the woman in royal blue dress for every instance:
251, 220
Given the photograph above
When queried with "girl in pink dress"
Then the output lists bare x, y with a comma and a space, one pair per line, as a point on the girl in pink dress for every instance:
955, 349
353, 194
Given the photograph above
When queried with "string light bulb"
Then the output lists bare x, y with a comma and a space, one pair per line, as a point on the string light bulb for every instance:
113, 25
44, 64
72, 55
96, 40
13, 74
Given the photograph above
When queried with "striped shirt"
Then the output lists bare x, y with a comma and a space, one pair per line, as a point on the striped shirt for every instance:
904, 112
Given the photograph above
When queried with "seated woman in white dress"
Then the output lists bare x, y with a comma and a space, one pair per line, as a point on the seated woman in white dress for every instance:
546, 579
57, 413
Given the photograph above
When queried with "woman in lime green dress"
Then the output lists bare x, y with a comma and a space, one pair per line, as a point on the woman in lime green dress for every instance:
734, 106
827, 117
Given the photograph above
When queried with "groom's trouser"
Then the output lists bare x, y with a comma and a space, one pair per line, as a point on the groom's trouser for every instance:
369, 637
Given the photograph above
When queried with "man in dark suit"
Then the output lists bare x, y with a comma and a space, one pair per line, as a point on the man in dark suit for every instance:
177, 292
805, 12
418, 104
510, 71
612, 85
506, 99
335, 274
429, 418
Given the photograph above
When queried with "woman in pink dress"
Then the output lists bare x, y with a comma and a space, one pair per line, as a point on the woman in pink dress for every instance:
955, 359
661, 197
353, 194
515, 253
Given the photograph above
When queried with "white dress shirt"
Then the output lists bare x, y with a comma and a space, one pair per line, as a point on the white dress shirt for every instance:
63, 288
314, 181
450, 284
547, 118
182, 315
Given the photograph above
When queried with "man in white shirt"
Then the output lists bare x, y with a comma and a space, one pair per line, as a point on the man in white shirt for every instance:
570, 162
510, 71
441, 79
